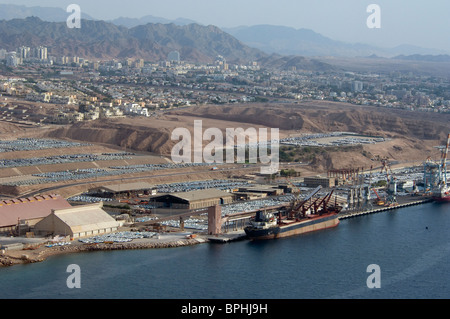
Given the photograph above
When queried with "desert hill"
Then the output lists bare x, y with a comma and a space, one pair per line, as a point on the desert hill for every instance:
412, 138
319, 117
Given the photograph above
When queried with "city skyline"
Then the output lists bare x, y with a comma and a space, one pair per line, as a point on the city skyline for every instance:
411, 23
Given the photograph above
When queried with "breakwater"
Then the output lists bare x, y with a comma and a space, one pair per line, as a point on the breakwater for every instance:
41, 254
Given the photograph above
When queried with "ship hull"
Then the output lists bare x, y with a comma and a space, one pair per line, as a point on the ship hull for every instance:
442, 196
442, 199
294, 228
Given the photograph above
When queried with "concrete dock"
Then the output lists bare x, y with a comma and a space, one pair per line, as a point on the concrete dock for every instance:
346, 215
228, 237
239, 234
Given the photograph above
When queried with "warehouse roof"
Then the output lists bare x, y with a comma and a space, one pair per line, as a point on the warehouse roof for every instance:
85, 218
201, 194
29, 208
115, 188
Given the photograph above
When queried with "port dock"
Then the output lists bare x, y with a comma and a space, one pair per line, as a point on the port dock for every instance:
237, 235
228, 237
346, 215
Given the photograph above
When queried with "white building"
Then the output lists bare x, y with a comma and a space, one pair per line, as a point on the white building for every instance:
78, 221
12, 59
136, 109
24, 52
357, 86
41, 53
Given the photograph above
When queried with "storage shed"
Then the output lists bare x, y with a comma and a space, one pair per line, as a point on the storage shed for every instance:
78, 221
126, 190
26, 212
193, 199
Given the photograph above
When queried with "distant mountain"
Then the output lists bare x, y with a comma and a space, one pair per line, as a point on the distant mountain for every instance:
424, 58
103, 40
295, 62
12, 11
290, 41
134, 22
407, 49
50, 14
267, 38
305, 42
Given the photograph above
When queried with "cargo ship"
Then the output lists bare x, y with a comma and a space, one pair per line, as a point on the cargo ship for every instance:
443, 194
296, 220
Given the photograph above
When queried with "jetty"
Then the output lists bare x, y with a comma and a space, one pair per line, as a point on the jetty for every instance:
352, 214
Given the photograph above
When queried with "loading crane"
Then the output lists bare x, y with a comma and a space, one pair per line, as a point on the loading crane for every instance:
297, 205
324, 202
391, 184
367, 189
444, 161
305, 208
293, 186
442, 191
379, 201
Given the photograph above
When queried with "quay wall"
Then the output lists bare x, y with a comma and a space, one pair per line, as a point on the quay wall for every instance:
347, 215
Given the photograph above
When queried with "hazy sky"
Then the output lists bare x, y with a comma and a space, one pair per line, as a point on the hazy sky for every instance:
416, 22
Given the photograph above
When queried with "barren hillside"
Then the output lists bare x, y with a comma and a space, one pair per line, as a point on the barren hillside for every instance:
413, 134
317, 117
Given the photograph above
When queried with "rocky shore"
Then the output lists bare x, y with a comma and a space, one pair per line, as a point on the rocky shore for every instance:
40, 254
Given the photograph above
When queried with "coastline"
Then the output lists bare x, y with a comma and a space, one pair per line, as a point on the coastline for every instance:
173, 240
18, 257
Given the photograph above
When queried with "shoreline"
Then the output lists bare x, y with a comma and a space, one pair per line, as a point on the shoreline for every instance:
41, 253
20, 257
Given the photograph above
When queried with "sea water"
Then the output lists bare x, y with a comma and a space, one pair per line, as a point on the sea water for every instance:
411, 247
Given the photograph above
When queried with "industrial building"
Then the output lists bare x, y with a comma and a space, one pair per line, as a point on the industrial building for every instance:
76, 222
255, 192
269, 190
320, 181
18, 215
193, 199
126, 190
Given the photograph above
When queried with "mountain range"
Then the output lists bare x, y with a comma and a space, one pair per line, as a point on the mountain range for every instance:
12, 11
272, 46
104, 40
134, 22
100, 40
267, 38
306, 42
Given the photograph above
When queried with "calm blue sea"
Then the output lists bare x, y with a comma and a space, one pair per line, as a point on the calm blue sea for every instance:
411, 246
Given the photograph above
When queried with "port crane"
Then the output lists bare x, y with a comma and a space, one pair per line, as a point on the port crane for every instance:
444, 162
367, 189
317, 206
391, 186
299, 206
379, 201
324, 203
435, 175
288, 181
442, 191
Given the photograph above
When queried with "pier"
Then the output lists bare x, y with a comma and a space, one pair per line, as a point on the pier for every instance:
239, 234
381, 209
228, 237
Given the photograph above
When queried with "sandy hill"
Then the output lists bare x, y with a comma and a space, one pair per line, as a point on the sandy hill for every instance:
413, 134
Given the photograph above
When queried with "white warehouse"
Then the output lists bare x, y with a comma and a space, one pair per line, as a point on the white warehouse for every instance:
76, 222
